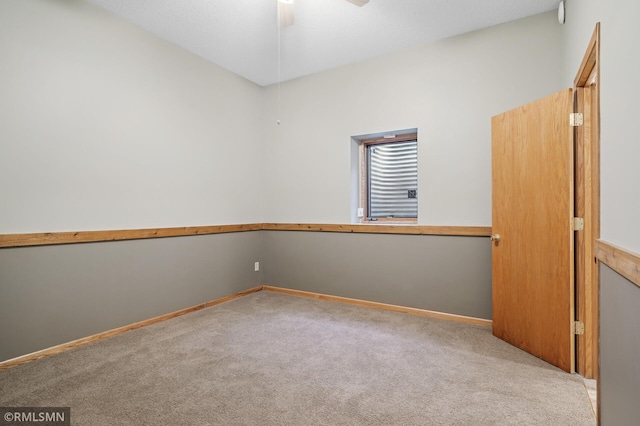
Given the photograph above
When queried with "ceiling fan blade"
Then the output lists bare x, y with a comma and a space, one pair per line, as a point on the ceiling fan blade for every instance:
285, 13
359, 3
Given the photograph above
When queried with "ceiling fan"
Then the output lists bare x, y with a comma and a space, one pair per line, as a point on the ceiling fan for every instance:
285, 11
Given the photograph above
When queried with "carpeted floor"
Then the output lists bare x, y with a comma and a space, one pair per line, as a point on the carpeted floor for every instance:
275, 359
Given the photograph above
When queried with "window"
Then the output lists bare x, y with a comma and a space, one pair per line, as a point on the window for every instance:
389, 178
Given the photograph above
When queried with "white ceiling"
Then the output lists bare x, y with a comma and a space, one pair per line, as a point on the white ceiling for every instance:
243, 37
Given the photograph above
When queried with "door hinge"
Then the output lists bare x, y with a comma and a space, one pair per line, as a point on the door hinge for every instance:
577, 327
578, 224
576, 119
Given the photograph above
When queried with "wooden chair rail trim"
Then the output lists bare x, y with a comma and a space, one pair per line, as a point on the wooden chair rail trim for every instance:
470, 231
49, 238
383, 306
116, 331
73, 237
624, 262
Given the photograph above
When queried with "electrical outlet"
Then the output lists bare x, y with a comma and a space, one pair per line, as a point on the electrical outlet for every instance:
256, 266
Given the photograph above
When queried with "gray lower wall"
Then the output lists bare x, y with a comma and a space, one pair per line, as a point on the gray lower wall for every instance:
54, 294
441, 273
619, 349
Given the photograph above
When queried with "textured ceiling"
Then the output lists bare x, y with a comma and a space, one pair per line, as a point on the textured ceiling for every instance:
243, 37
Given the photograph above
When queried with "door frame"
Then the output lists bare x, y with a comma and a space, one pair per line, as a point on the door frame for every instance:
587, 205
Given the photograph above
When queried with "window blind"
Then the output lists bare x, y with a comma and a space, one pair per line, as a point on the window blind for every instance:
393, 179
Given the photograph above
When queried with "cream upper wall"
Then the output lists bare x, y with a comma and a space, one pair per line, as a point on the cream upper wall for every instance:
448, 90
103, 126
620, 89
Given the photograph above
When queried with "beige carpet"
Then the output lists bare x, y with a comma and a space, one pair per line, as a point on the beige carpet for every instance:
274, 359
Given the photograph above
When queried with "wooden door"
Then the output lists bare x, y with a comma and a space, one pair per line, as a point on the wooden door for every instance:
532, 204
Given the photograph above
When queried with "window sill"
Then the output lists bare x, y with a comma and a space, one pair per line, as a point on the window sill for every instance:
389, 222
